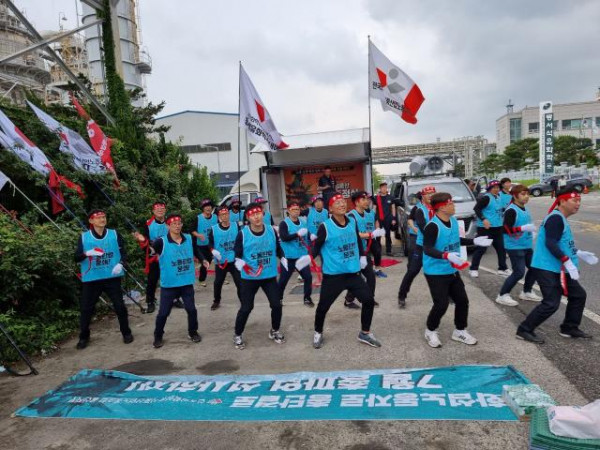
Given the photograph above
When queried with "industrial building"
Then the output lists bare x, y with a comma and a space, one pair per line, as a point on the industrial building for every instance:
580, 119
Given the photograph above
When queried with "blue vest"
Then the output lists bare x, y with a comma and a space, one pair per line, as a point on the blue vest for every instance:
542, 258
448, 240
505, 199
225, 241
236, 216
492, 212
422, 207
176, 263
267, 217
101, 266
340, 250
156, 230
519, 241
260, 250
410, 230
294, 249
204, 225
366, 223
316, 218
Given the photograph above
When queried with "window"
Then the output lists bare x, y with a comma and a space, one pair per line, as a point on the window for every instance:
207, 148
515, 130
598, 121
573, 124
534, 127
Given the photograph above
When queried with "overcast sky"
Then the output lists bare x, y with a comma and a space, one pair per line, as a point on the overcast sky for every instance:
308, 60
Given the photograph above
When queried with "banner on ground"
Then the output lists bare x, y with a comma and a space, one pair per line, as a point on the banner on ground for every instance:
443, 393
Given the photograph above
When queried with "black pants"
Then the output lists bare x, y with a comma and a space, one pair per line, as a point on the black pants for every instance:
167, 297
285, 275
551, 292
333, 286
248, 291
152, 283
519, 260
415, 263
220, 275
376, 252
443, 288
370, 278
494, 233
386, 224
205, 250
90, 293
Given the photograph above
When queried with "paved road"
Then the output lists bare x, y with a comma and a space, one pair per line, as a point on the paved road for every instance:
578, 360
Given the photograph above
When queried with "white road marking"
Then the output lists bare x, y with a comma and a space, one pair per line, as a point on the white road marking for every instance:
586, 312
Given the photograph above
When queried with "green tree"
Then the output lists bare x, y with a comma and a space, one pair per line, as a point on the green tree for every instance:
574, 151
491, 165
516, 154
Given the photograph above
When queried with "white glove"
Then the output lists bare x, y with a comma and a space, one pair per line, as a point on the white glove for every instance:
455, 258
482, 241
94, 253
378, 232
216, 254
529, 227
533, 234
302, 262
313, 237
302, 232
572, 269
284, 263
588, 257
363, 262
239, 264
276, 228
117, 269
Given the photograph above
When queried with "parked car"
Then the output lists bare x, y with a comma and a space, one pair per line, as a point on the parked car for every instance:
578, 181
404, 193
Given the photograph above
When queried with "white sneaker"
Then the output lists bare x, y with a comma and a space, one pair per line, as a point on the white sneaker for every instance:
433, 338
318, 340
504, 273
506, 300
530, 296
474, 273
464, 337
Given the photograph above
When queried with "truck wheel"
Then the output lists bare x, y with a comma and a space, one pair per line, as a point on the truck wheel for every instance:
536, 192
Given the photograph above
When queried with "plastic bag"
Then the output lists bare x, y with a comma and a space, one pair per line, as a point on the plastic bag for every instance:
575, 422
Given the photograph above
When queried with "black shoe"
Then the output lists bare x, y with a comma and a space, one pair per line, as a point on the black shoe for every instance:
178, 303
529, 337
401, 303
158, 342
195, 337
351, 305
308, 302
83, 343
151, 307
575, 333
376, 304
215, 305
128, 338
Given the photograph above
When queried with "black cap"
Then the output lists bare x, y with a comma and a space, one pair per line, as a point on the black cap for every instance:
359, 194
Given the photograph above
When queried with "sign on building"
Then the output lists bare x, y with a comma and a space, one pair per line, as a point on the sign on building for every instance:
546, 140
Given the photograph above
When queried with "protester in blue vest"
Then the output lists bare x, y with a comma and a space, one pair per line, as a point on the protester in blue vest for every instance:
101, 254
315, 216
505, 194
421, 214
518, 242
256, 251
556, 265
267, 217
222, 241
200, 228
441, 264
365, 221
236, 215
154, 228
340, 246
489, 209
176, 252
293, 233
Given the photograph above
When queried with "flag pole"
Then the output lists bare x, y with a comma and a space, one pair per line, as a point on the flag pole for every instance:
369, 100
239, 144
34, 205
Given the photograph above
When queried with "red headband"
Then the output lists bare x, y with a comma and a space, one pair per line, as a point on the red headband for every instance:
224, 208
292, 204
172, 219
254, 210
567, 196
442, 204
156, 205
428, 190
97, 214
335, 198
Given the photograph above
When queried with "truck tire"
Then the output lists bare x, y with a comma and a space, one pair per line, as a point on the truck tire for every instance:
536, 192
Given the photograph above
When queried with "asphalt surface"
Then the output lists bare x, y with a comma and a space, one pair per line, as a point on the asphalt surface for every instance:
579, 360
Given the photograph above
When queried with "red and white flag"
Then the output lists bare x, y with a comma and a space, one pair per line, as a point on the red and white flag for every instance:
255, 117
100, 142
396, 90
